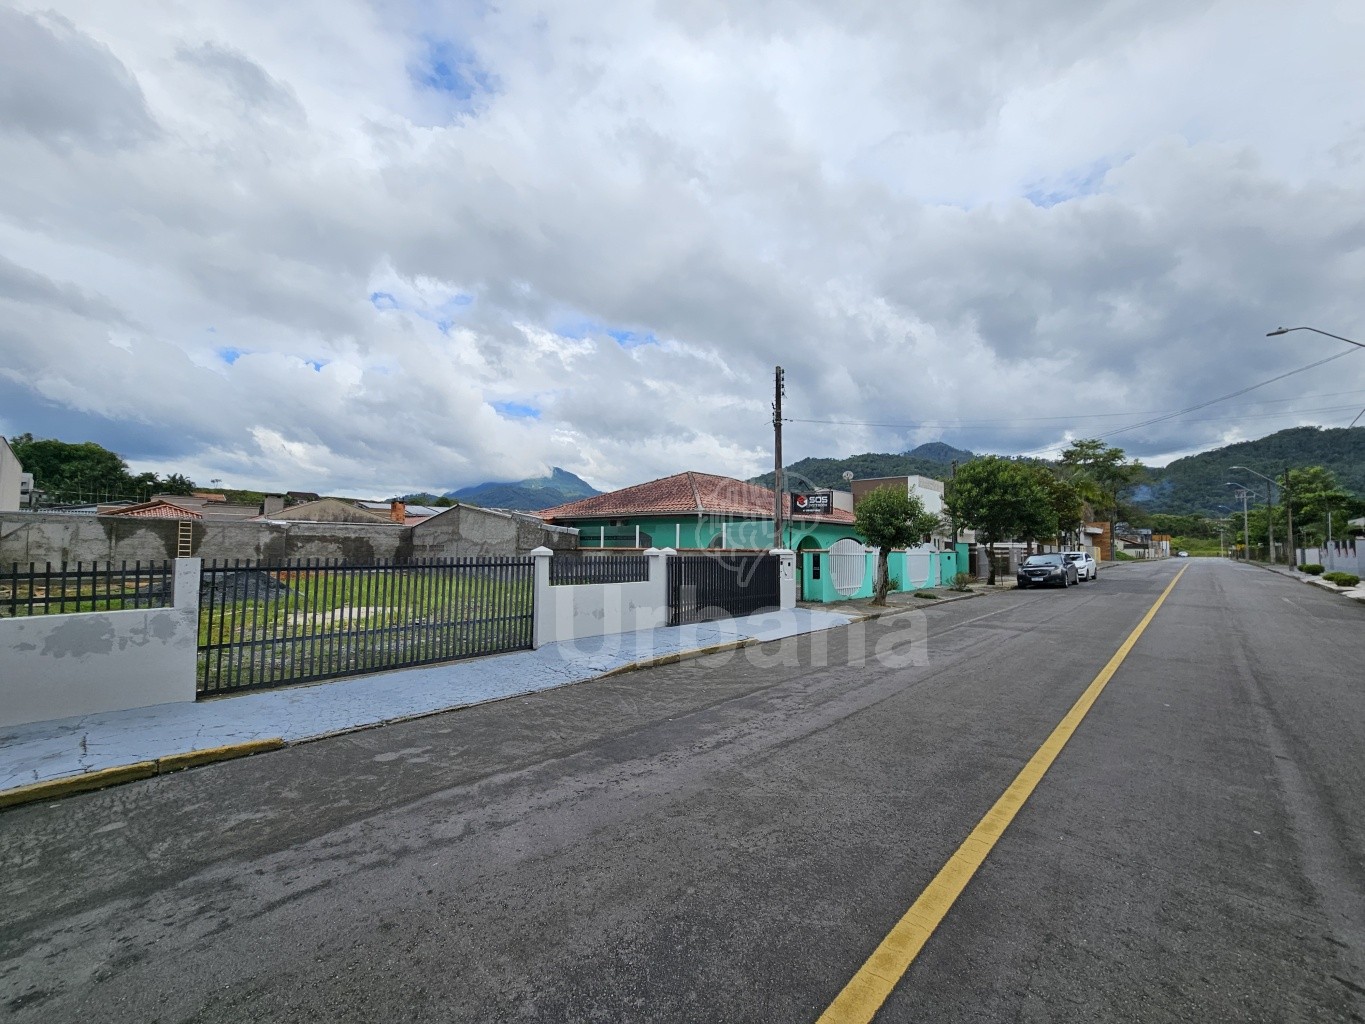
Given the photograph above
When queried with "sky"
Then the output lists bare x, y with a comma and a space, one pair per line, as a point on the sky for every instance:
374, 247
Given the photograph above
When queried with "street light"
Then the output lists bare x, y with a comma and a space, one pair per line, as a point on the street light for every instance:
1242, 492
1285, 330
1222, 531
1270, 506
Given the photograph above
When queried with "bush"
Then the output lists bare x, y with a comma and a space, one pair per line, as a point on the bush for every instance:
1341, 579
1312, 568
1124, 556
926, 595
962, 581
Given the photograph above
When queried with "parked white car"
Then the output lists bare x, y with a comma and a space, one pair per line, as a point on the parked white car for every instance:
1086, 566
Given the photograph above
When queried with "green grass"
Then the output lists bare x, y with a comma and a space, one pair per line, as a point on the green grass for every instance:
330, 624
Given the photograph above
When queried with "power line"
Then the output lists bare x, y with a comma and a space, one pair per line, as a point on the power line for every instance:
1202, 405
1079, 416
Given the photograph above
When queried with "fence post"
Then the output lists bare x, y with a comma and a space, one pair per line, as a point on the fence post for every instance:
542, 602
786, 577
658, 582
185, 585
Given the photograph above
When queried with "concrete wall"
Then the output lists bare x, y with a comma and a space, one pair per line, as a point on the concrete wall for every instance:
1336, 557
57, 537
60, 666
916, 569
576, 612
10, 472
465, 531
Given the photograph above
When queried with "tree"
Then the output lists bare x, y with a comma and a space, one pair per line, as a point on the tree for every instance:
72, 470
1001, 500
891, 517
177, 483
1068, 505
1102, 474
1313, 494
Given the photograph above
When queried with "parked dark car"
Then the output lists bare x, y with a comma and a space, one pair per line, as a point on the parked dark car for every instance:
1047, 570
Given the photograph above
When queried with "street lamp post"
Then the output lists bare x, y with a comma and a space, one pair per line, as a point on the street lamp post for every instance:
1222, 533
1327, 334
1285, 330
1270, 507
1242, 492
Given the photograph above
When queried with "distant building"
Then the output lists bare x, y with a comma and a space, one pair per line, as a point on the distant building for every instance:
11, 479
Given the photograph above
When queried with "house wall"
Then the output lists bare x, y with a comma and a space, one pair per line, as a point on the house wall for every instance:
10, 472
465, 531
60, 666
681, 532
914, 570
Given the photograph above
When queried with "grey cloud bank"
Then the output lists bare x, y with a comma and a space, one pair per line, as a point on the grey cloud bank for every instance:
373, 248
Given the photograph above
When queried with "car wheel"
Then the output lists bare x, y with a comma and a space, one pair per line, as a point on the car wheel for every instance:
1021, 586
1065, 582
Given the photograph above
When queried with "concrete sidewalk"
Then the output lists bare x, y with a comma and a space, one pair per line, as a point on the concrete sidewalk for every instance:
95, 750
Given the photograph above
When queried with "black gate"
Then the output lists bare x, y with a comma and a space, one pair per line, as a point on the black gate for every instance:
706, 587
274, 625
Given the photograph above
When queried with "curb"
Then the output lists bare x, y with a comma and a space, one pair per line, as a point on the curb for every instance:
677, 656
55, 789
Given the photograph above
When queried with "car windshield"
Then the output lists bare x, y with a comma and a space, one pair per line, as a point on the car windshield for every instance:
1044, 560
1074, 556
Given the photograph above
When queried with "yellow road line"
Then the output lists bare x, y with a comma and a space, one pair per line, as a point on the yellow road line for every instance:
869, 988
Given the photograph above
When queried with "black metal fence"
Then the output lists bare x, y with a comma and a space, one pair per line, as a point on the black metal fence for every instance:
266, 625
705, 587
567, 570
86, 587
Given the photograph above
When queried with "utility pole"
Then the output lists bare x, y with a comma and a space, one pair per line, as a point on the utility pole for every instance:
778, 388
1291, 556
1246, 528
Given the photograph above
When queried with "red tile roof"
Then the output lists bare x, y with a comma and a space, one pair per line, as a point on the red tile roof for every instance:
684, 494
154, 510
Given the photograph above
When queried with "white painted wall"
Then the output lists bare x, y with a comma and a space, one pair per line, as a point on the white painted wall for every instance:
573, 612
60, 666
10, 474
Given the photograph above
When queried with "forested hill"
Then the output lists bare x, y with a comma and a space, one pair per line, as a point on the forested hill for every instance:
931, 460
1199, 483
1196, 484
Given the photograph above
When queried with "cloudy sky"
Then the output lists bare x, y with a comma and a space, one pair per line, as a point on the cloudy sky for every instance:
376, 246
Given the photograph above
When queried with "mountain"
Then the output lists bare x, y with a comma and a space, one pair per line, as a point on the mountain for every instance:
932, 460
1199, 483
1195, 484
528, 495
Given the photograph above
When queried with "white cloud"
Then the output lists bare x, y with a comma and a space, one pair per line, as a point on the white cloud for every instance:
370, 248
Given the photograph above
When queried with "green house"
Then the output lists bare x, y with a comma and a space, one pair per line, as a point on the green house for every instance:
696, 510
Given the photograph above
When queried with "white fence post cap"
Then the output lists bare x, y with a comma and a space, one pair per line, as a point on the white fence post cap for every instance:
541, 552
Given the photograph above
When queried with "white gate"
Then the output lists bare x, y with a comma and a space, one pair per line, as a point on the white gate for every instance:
847, 566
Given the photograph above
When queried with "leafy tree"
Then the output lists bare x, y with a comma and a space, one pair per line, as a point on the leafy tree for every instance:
66, 470
1313, 494
1068, 504
1001, 500
1102, 473
891, 517
177, 483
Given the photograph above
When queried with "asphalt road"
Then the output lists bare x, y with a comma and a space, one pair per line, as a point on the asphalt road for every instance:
728, 839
